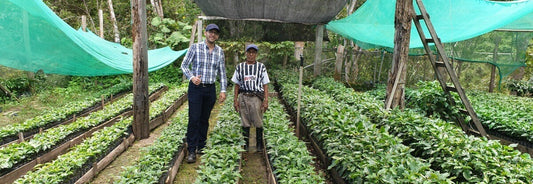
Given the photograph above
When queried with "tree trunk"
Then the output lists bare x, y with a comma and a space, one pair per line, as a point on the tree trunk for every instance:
88, 13
348, 65
355, 64
155, 6
101, 22
338, 62
114, 21
160, 6
141, 119
84, 23
318, 49
396, 84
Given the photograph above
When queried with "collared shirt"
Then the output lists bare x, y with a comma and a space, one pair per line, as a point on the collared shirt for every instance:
250, 77
207, 64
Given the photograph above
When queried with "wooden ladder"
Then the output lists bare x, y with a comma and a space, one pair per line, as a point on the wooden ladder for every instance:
445, 64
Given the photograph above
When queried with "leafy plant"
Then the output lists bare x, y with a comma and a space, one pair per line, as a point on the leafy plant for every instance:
222, 157
289, 156
468, 159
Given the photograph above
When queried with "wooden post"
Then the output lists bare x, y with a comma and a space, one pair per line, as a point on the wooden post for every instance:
191, 41
84, 23
299, 96
494, 59
318, 49
114, 21
338, 62
21, 137
402, 24
298, 49
200, 31
101, 21
141, 128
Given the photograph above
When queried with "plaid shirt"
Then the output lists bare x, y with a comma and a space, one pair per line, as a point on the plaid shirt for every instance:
208, 65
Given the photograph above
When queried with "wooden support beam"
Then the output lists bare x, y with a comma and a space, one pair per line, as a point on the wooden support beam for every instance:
141, 119
318, 49
494, 59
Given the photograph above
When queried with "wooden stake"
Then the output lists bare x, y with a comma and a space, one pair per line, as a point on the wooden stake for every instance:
21, 137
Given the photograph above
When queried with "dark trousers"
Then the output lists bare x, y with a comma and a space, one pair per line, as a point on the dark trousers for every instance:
201, 101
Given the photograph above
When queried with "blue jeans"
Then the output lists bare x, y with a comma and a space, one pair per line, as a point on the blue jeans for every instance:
201, 98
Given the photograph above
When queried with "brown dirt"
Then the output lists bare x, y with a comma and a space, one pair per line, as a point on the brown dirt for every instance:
254, 168
129, 157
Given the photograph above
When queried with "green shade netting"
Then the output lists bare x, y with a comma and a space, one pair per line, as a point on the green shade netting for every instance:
454, 20
465, 26
33, 37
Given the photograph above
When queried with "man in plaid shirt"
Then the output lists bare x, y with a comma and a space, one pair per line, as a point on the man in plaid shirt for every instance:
203, 62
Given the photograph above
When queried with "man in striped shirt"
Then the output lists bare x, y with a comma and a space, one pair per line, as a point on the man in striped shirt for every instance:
203, 62
251, 94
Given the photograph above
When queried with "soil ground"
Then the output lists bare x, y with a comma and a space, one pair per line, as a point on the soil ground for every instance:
130, 156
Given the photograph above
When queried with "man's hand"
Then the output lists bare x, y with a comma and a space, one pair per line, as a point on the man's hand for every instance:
236, 105
264, 106
222, 97
196, 80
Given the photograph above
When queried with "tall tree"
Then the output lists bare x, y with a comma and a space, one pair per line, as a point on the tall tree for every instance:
114, 21
396, 84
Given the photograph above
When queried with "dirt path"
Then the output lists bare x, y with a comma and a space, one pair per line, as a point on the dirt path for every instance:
131, 155
187, 172
254, 166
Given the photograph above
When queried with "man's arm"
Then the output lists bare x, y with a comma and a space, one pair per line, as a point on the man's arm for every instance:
236, 98
187, 60
264, 106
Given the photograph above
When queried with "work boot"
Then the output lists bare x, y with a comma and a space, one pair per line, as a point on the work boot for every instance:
259, 138
246, 135
191, 158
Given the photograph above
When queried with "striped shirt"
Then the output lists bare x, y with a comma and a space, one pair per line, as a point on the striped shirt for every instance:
250, 77
208, 65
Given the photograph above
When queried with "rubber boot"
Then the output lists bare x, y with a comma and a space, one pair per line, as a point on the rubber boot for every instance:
259, 138
246, 135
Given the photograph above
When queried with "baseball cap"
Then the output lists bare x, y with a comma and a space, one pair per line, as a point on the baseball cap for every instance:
212, 26
251, 46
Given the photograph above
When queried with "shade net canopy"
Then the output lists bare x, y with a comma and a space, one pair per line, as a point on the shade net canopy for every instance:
465, 27
294, 11
33, 37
